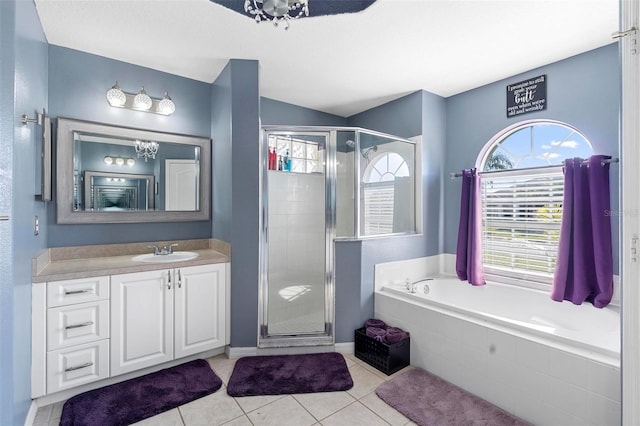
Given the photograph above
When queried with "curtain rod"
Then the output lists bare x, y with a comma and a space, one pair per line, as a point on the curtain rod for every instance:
454, 175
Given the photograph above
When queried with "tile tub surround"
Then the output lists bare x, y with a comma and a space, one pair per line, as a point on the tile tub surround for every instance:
537, 382
356, 406
65, 263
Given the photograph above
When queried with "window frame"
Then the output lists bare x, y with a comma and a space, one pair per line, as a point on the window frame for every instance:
368, 186
483, 157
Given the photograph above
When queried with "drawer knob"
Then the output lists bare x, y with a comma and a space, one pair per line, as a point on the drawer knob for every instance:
84, 324
86, 290
78, 367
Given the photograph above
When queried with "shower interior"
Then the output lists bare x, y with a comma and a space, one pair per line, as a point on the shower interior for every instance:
304, 209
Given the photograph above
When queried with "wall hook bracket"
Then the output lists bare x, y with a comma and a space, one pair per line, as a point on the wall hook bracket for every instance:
38, 119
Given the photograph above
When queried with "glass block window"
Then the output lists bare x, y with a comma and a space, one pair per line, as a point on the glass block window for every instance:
306, 156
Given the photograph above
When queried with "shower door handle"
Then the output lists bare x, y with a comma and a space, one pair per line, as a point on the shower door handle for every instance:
264, 224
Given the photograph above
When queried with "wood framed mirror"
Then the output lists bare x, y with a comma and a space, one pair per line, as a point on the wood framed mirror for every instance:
104, 175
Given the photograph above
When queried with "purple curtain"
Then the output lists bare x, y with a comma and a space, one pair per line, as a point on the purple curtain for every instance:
469, 250
584, 269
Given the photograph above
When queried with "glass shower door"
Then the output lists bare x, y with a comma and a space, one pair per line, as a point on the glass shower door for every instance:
296, 298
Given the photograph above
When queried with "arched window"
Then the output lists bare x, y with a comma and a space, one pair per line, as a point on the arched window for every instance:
386, 179
522, 188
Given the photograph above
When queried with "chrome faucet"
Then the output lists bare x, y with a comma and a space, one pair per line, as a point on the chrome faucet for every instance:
165, 250
411, 286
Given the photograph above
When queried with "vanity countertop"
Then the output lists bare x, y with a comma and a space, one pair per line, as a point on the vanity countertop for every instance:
66, 263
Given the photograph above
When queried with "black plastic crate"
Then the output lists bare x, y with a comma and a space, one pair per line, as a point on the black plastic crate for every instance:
387, 358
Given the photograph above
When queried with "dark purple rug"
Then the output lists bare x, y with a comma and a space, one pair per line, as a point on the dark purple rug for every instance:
136, 399
286, 374
428, 400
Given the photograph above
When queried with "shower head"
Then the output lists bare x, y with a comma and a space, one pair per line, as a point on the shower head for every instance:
350, 143
366, 151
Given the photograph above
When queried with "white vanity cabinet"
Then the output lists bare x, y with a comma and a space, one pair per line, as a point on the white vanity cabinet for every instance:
161, 315
70, 339
90, 329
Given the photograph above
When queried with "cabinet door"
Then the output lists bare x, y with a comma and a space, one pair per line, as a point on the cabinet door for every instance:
199, 309
141, 320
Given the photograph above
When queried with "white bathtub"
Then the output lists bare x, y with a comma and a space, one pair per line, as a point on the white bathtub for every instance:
547, 362
575, 327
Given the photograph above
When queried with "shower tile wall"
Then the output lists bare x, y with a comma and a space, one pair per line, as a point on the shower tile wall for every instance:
296, 252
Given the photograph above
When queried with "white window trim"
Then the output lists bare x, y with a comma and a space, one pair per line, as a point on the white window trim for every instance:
483, 157
505, 133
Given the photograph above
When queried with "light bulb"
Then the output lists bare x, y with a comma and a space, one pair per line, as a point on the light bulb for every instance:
131, 162
108, 160
119, 161
166, 105
116, 97
142, 101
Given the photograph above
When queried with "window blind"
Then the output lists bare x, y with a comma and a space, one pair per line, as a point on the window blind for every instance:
521, 217
378, 208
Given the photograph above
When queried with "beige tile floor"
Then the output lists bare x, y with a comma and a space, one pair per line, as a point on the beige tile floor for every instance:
357, 406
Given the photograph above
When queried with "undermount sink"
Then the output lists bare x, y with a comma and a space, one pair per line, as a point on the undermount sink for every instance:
176, 256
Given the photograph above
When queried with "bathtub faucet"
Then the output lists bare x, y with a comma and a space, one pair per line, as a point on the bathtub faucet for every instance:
411, 286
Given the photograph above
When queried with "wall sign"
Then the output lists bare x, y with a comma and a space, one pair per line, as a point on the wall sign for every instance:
527, 96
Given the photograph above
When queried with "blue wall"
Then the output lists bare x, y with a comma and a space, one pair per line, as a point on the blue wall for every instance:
235, 96
23, 90
78, 83
583, 91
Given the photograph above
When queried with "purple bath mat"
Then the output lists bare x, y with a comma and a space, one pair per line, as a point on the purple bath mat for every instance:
286, 374
136, 399
428, 400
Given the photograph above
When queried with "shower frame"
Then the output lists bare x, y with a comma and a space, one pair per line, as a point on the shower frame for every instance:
265, 340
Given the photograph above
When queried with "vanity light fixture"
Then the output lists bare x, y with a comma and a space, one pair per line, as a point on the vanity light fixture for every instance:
115, 96
140, 101
146, 149
119, 161
166, 105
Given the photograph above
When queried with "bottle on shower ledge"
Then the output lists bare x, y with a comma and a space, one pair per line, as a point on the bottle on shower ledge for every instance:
272, 160
280, 162
286, 162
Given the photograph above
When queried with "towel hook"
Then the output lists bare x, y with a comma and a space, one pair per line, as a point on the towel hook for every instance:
38, 119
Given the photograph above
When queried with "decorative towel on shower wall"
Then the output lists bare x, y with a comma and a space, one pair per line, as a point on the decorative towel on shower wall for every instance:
469, 251
584, 269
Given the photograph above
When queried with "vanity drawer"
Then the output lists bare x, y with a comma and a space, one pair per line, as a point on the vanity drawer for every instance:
68, 292
76, 324
70, 367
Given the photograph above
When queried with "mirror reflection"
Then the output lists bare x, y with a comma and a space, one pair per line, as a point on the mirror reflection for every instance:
117, 192
121, 174
112, 174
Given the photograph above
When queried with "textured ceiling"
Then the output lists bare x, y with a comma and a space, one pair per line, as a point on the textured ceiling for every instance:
341, 64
